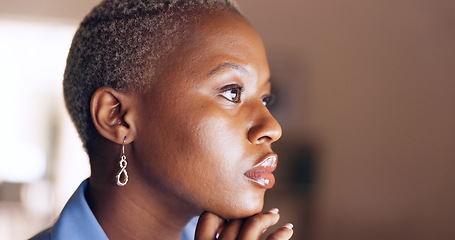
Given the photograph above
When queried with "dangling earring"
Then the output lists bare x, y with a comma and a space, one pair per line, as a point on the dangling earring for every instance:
123, 164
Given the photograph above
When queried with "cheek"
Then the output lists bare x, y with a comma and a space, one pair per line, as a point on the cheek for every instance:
222, 133
221, 165
216, 147
201, 155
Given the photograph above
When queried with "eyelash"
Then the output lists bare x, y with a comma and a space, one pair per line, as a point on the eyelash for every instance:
228, 92
268, 100
233, 94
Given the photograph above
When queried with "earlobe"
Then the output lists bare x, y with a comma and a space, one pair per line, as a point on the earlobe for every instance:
108, 108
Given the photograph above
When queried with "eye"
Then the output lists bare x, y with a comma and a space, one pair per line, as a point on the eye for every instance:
268, 100
232, 93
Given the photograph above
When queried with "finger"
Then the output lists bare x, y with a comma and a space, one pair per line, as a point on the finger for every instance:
207, 226
283, 233
231, 229
256, 225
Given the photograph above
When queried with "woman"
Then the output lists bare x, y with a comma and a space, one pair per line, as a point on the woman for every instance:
170, 100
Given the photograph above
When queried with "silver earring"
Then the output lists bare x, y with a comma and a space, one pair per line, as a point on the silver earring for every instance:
123, 164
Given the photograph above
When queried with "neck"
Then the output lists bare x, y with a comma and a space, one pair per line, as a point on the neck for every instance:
135, 212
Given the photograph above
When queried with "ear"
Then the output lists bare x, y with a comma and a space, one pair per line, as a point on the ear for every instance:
110, 111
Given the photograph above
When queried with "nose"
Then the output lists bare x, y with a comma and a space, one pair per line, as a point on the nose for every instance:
265, 128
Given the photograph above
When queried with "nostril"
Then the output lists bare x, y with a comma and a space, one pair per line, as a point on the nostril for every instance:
264, 133
265, 128
264, 139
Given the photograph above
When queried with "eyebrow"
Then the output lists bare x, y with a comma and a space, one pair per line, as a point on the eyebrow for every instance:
225, 65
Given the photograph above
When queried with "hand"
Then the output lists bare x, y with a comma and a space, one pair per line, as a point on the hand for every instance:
210, 226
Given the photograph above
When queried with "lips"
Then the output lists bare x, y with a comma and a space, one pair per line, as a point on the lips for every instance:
261, 173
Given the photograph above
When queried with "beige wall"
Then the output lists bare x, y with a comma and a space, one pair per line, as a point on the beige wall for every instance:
380, 106
366, 87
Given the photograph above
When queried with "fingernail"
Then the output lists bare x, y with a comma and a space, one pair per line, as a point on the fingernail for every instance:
274, 210
289, 225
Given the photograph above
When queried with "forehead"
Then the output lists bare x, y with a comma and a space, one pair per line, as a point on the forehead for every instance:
216, 38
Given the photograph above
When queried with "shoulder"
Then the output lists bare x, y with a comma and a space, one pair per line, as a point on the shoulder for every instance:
75, 220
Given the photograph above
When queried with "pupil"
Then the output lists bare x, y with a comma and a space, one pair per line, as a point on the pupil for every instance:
234, 94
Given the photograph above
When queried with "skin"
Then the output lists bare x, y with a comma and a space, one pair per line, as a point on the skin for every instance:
189, 141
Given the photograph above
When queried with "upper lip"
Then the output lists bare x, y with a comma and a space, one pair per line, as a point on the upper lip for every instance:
266, 164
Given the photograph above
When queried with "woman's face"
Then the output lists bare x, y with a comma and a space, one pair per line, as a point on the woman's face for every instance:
203, 133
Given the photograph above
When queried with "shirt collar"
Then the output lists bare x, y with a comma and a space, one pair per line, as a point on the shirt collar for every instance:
77, 219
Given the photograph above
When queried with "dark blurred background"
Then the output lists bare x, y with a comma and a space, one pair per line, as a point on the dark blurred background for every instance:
366, 99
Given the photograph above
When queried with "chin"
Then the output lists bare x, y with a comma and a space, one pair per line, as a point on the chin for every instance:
243, 209
248, 213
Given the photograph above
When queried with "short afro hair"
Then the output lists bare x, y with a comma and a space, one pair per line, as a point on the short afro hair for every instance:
120, 45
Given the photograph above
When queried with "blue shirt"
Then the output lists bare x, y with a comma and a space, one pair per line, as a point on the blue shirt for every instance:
76, 221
